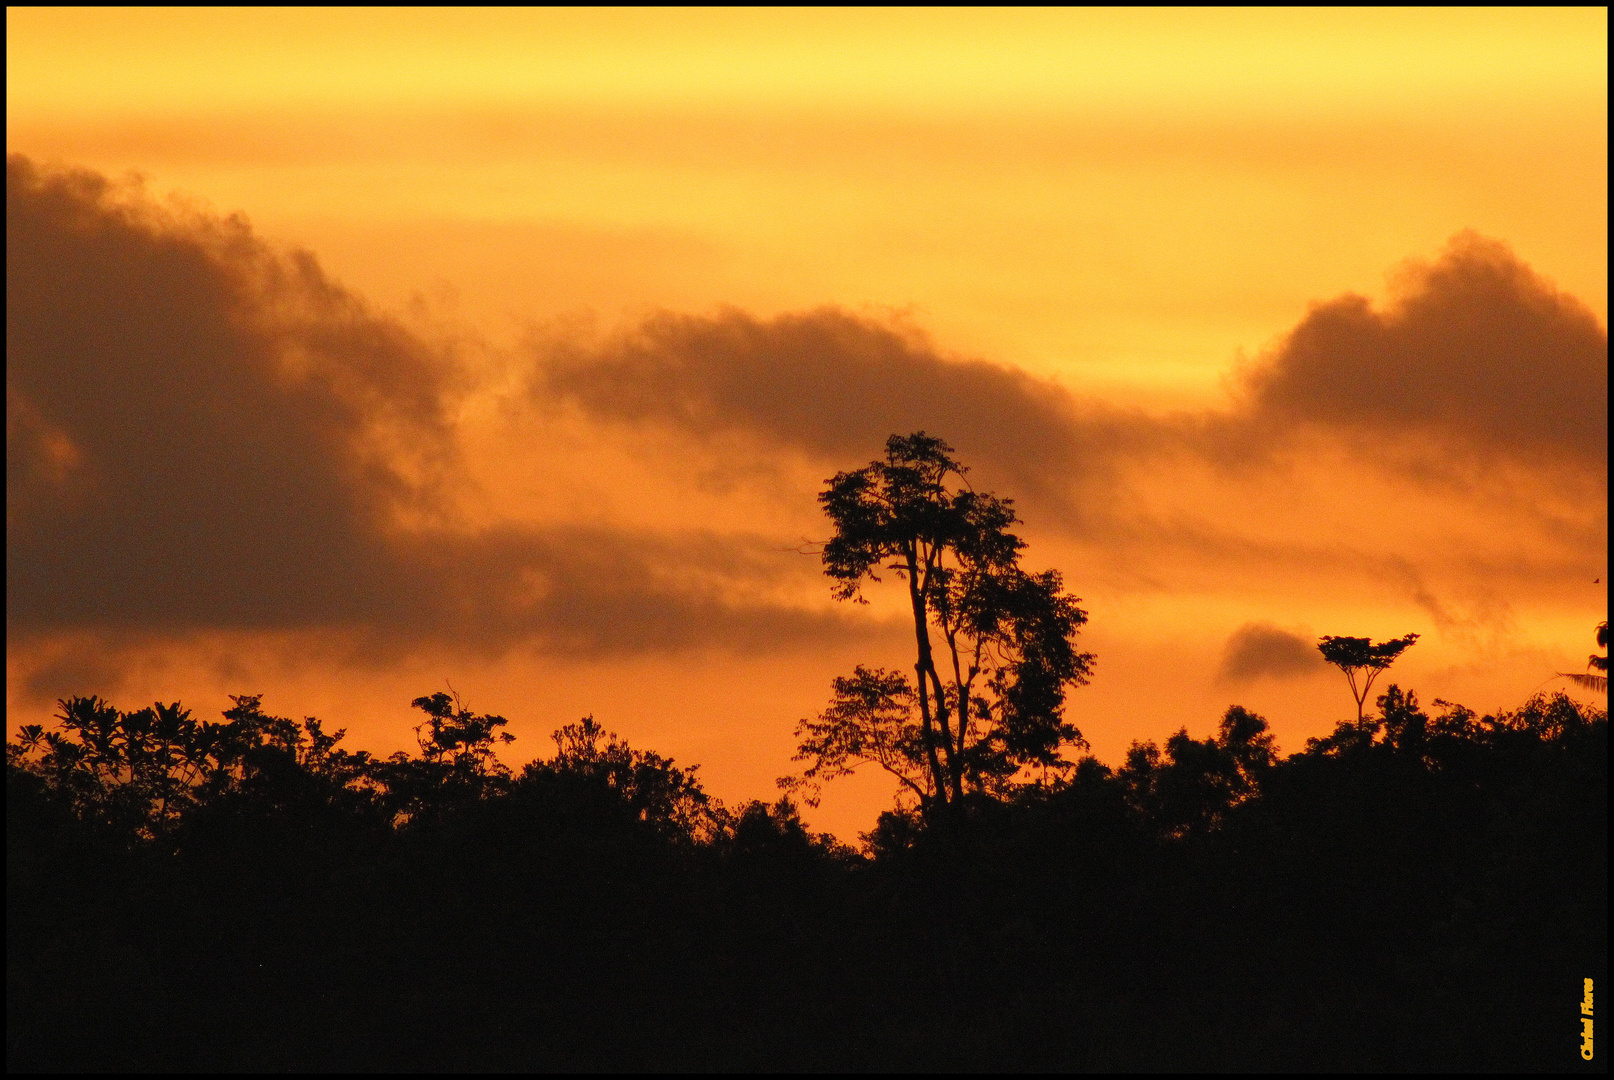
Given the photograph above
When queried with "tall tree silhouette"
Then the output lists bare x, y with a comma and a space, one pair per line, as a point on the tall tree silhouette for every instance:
990, 696
1361, 661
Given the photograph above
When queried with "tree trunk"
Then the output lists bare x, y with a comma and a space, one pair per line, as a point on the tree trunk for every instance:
921, 627
954, 756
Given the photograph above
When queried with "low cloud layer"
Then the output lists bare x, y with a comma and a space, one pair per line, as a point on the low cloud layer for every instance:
1464, 422
1263, 651
203, 435
1479, 377
835, 385
1477, 353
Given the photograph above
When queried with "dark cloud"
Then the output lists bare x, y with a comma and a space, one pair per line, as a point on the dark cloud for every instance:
195, 427
836, 385
1481, 385
1261, 650
1478, 359
70, 668
204, 435
1478, 351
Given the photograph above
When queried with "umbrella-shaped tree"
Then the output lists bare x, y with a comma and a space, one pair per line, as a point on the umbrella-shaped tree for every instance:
1361, 660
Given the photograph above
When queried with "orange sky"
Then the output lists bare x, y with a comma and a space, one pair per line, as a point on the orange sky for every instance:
1141, 222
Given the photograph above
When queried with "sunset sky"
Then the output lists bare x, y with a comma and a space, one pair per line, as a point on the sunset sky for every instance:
353, 354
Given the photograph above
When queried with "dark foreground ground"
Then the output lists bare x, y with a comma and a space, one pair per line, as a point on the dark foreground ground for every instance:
1384, 902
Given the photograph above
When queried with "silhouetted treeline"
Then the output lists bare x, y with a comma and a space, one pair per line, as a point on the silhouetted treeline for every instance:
1416, 891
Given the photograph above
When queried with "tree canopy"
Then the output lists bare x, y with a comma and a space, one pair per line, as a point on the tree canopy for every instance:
1361, 661
187, 896
987, 699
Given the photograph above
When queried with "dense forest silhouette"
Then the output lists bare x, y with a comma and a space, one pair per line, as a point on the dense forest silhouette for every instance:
1425, 888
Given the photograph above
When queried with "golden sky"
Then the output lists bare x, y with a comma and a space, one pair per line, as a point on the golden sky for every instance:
1275, 322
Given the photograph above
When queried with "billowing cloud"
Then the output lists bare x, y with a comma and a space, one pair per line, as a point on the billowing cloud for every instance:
1479, 363
1261, 650
206, 436
1477, 351
1479, 376
835, 385
825, 380
203, 435
196, 429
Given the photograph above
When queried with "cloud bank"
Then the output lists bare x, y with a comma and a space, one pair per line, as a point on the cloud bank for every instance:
1477, 352
834, 385
205, 435
1454, 439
